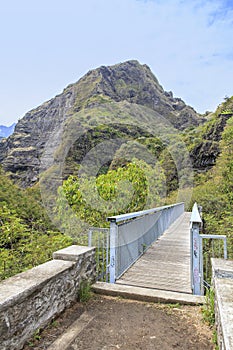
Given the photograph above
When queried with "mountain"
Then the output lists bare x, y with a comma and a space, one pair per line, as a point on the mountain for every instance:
127, 88
6, 131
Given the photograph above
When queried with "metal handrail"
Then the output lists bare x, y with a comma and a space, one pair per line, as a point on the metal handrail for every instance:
223, 237
124, 217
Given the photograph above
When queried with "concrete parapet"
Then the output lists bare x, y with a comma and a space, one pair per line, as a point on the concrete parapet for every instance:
31, 299
223, 285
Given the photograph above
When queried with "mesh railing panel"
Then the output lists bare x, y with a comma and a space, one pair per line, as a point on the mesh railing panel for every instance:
136, 235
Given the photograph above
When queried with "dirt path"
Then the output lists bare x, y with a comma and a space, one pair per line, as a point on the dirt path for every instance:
129, 325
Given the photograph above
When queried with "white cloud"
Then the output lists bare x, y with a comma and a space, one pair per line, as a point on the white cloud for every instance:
48, 44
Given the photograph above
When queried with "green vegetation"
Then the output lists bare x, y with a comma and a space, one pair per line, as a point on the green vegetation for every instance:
27, 237
208, 312
213, 188
84, 293
134, 187
208, 308
227, 111
35, 338
215, 191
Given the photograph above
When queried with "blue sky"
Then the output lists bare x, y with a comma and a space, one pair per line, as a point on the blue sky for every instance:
46, 45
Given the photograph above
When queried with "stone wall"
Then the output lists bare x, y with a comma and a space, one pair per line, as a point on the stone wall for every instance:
31, 299
223, 285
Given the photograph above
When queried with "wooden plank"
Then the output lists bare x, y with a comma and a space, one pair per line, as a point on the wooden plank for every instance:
166, 264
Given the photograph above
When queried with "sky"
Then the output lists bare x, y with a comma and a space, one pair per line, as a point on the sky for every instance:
48, 44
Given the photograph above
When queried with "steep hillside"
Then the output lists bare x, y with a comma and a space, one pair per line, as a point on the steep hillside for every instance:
204, 141
27, 237
122, 86
215, 190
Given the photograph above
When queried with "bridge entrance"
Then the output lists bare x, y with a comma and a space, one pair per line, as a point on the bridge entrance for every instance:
160, 248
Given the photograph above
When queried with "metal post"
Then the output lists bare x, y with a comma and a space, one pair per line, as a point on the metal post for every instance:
201, 265
225, 248
191, 256
196, 260
113, 245
195, 251
107, 256
89, 238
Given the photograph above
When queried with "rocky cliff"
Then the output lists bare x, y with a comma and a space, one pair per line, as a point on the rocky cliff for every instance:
128, 82
205, 140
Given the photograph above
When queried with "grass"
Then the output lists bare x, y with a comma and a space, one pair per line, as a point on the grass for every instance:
84, 293
208, 312
208, 308
36, 337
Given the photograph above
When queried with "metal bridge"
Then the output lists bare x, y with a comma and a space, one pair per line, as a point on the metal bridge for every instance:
166, 263
160, 248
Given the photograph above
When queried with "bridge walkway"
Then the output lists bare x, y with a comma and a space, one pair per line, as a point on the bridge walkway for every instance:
166, 264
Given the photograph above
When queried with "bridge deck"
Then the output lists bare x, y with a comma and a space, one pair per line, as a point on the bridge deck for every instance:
166, 264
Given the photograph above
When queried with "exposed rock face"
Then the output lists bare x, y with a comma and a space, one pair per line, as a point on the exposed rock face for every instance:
135, 83
20, 153
205, 153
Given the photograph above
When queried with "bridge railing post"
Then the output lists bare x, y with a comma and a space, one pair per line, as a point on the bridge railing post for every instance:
113, 247
196, 255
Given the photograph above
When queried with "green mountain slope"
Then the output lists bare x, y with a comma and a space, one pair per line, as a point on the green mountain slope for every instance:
27, 237
215, 190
